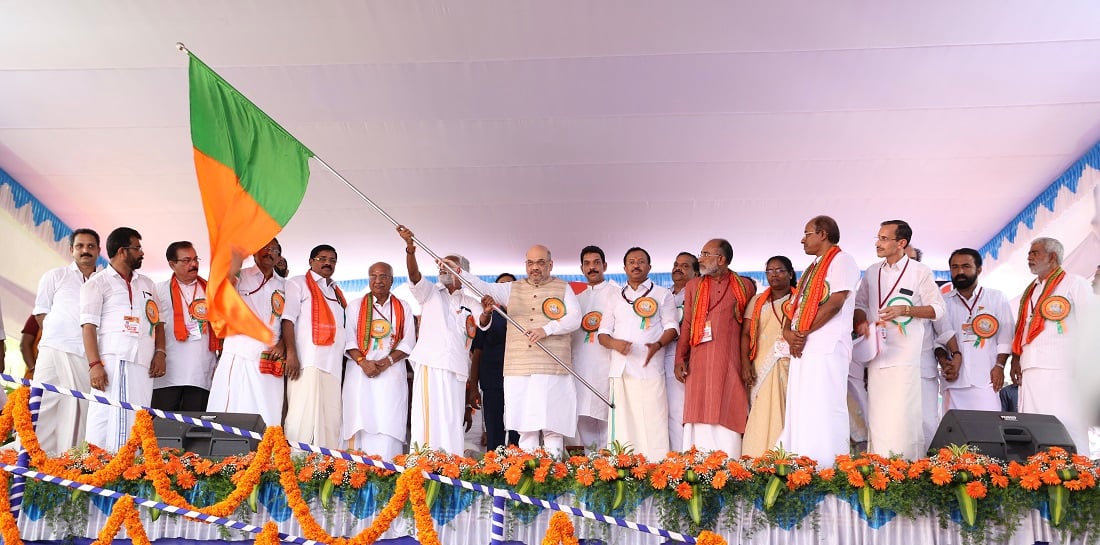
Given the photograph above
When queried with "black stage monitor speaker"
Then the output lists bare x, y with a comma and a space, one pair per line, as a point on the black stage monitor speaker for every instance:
1008, 436
207, 442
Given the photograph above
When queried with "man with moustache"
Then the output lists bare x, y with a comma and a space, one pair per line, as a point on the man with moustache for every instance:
540, 395
249, 376
441, 357
1053, 314
639, 323
190, 343
314, 333
976, 330
708, 362
684, 268
376, 396
61, 360
123, 338
899, 295
819, 336
591, 360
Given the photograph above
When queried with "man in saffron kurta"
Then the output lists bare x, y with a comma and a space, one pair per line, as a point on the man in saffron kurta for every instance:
708, 354
314, 325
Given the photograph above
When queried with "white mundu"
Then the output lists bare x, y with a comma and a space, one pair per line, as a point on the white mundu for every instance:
244, 382
674, 389
375, 409
592, 362
989, 310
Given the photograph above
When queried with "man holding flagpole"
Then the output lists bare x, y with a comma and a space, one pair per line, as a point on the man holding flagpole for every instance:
314, 325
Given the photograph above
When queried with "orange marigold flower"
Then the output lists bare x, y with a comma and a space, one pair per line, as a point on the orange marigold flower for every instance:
878, 481
358, 479
940, 476
608, 473
560, 470
512, 474
719, 480
684, 491
186, 480
1030, 481
827, 473
799, 478
133, 472
1050, 476
639, 471
1000, 481
658, 479
975, 489
855, 479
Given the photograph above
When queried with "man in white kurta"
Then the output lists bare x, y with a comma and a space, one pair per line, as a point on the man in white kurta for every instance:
900, 297
639, 323
192, 353
381, 334
449, 319
980, 321
591, 361
123, 338
249, 376
314, 331
61, 361
1054, 311
820, 338
684, 268
540, 396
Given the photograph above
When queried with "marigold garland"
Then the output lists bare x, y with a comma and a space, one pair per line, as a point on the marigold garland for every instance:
269, 535
123, 514
8, 529
707, 537
560, 531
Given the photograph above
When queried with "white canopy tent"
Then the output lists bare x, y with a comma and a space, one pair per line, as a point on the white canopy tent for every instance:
489, 126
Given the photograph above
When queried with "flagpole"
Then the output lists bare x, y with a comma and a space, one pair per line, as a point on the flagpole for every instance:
496, 308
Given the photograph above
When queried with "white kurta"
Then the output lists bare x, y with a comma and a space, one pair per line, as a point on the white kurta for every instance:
189, 362
61, 360
1049, 384
121, 312
590, 360
816, 417
377, 406
674, 389
238, 385
640, 416
974, 389
895, 416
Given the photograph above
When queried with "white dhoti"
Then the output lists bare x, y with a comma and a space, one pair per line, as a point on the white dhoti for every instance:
973, 398
438, 400
591, 432
375, 410
640, 416
541, 403
894, 411
816, 419
313, 408
857, 396
61, 418
674, 391
708, 437
930, 408
240, 387
109, 427
1054, 392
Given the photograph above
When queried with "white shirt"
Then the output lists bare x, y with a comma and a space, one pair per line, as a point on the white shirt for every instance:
956, 322
906, 282
622, 322
258, 293
1053, 349
385, 311
299, 310
843, 275
122, 312
444, 341
59, 299
586, 351
502, 293
189, 362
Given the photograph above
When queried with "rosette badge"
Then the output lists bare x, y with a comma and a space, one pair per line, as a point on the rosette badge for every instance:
553, 308
590, 323
1055, 308
985, 327
646, 308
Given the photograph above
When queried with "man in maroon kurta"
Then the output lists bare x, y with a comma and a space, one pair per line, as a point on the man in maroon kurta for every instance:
708, 353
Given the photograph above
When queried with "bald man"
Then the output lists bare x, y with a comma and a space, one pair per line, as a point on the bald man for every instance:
540, 397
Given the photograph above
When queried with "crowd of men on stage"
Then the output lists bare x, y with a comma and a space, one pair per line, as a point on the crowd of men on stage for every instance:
711, 363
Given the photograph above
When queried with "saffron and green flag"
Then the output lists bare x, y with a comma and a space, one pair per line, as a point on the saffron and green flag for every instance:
252, 175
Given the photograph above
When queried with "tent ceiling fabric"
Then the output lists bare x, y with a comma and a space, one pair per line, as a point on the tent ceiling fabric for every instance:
491, 126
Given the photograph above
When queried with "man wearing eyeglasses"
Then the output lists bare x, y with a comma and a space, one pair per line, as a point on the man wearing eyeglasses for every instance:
314, 333
190, 345
123, 338
540, 395
249, 375
716, 404
900, 298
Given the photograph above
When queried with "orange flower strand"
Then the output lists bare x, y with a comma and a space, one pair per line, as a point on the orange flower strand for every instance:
123, 513
706, 537
8, 529
425, 526
560, 531
269, 535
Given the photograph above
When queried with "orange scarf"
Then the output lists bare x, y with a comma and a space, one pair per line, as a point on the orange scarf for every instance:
324, 323
179, 327
813, 290
754, 318
366, 317
1038, 322
702, 307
